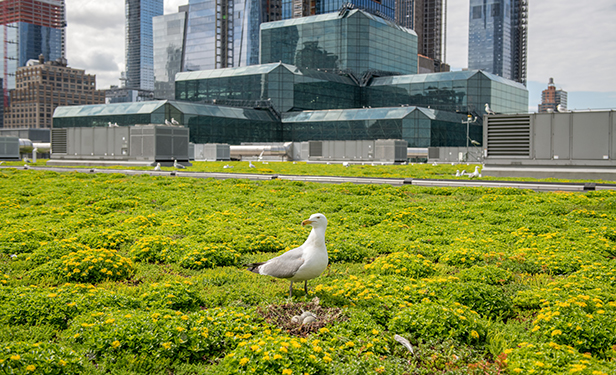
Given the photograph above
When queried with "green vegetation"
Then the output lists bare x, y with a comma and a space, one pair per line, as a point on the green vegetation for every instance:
104, 273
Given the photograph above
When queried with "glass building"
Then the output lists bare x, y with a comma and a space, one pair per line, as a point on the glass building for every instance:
302, 8
207, 123
287, 87
168, 51
497, 38
33, 27
461, 92
343, 90
420, 127
353, 41
140, 42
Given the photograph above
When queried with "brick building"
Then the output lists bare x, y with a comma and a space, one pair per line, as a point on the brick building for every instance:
43, 86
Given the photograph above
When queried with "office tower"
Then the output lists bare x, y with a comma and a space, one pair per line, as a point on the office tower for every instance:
497, 41
139, 43
302, 8
42, 86
428, 18
29, 28
169, 31
551, 98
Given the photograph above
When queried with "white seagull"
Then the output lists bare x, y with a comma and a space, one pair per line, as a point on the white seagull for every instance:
157, 168
458, 173
300, 264
488, 110
475, 174
174, 121
250, 165
227, 166
261, 155
345, 163
168, 123
178, 165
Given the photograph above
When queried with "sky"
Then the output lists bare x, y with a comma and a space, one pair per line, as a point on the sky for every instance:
575, 45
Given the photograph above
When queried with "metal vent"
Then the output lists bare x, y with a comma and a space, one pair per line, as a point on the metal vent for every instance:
58, 141
434, 153
315, 148
508, 136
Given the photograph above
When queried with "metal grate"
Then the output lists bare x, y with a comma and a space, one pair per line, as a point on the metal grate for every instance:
508, 135
58, 141
315, 148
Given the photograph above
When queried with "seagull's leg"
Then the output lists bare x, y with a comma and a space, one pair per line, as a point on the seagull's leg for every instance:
291, 290
306, 287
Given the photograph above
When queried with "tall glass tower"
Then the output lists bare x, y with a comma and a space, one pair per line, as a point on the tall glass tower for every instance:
497, 37
140, 42
29, 28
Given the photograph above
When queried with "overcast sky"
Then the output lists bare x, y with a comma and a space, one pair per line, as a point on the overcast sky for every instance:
573, 43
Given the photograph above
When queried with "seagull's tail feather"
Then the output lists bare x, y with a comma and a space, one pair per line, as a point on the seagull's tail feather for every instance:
254, 267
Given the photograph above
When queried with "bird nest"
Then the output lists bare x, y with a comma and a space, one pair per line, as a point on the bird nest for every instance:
282, 316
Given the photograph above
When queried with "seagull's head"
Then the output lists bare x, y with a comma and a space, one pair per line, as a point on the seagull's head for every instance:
316, 221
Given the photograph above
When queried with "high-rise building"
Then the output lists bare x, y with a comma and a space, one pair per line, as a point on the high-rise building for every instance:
497, 41
552, 98
42, 86
29, 28
302, 8
140, 43
169, 31
428, 19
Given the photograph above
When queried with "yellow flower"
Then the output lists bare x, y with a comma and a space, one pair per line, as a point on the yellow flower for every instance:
115, 344
16, 357
556, 332
244, 361
287, 371
277, 356
474, 334
62, 362
30, 367
327, 359
166, 345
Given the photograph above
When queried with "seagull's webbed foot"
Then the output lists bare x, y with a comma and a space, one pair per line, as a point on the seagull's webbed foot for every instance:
291, 290
306, 287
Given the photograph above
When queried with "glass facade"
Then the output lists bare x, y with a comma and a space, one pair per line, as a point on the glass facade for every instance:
490, 37
204, 34
420, 127
463, 92
385, 8
140, 42
26, 42
355, 41
287, 87
168, 52
207, 123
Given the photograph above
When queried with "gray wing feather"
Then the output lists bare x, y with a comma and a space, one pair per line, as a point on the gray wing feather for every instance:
284, 266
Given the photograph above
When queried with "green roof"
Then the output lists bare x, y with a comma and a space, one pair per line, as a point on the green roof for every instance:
441, 77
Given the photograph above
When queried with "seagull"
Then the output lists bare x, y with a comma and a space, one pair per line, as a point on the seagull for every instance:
474, 142
434, 164
261, 155
178, 165
302, 263
1, 162
227, 166
112, 125
26, 166
561, 108
489, 111
174, 121
157, 168
458, 173
168, 123
250, 165
475, 174
345, 163
26, 160
463, 172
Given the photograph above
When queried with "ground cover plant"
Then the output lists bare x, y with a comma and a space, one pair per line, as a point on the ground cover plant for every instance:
104, 273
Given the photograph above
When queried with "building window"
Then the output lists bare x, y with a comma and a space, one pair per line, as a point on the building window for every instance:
496, 10
477, 12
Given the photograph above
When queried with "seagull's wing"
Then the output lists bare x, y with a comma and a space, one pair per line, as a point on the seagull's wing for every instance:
284, 266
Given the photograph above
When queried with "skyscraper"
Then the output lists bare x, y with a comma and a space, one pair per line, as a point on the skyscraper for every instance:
169, 31
140, 42
225, 33
551, 98
29, 28
497, 37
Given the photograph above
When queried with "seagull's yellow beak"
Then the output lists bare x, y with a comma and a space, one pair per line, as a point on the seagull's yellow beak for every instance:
306, 222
